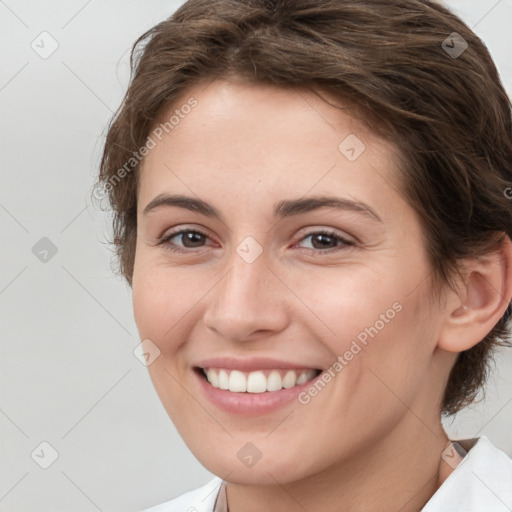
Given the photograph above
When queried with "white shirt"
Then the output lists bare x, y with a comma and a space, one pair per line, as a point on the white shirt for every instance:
482, 482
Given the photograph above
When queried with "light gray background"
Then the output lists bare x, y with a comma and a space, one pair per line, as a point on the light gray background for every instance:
67, 369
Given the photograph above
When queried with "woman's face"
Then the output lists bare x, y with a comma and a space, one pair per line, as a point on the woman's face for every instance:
272, 245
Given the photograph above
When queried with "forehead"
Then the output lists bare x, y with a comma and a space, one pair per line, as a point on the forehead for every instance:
251, 138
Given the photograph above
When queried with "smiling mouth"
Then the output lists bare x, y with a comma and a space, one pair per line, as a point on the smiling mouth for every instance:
259, 381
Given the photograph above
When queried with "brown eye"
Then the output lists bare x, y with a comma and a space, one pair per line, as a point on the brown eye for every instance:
326, 240
191, 238
184, 239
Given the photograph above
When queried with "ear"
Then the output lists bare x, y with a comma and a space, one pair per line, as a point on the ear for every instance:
482, 300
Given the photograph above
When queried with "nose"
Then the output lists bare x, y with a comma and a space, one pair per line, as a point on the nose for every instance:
247, 303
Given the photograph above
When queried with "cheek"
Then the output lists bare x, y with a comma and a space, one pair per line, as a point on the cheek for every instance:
373, 329
163, 300
350, 304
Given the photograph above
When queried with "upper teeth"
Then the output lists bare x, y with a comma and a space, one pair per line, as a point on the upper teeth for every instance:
258, 381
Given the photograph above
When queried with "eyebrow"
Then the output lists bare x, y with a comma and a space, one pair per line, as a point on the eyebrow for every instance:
285, 208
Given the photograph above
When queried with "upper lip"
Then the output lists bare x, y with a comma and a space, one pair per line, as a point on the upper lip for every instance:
250, 364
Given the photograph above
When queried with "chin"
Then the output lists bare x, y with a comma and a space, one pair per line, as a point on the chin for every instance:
238, 463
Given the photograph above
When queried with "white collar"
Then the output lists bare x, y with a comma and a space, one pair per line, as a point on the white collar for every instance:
481, 482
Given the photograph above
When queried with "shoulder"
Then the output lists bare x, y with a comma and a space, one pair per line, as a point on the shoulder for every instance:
482, 481
201, 499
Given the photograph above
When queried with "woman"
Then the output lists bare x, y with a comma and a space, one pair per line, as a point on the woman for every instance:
311, 207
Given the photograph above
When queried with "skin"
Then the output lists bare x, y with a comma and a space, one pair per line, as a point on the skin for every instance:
372, 438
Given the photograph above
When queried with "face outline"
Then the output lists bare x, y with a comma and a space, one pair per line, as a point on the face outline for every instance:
287, 304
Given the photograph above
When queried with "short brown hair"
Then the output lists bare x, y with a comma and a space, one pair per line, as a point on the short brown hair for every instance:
447, 113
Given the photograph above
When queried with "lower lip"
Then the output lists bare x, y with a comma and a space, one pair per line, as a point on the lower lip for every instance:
250, 403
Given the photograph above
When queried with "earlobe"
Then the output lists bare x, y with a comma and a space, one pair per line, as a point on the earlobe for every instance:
483, 300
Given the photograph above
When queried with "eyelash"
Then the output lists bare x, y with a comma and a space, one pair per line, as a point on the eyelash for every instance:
343, 243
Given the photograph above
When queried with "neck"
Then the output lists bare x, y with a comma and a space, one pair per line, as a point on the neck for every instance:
401, 472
